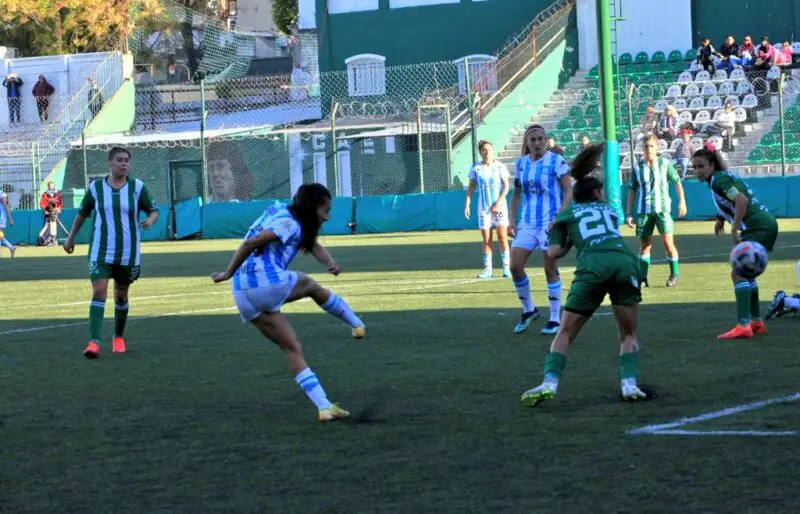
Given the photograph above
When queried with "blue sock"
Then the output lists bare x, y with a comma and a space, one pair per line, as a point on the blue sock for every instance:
523, 287
487, 260
310, 385
5, 242
554, 297
335, 306
506, 259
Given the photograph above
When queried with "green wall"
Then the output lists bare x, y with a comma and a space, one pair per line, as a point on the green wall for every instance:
716, 19
118, 113
421, 34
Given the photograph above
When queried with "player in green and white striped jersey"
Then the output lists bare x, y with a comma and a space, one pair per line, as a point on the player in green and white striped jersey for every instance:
115, 202
650, 184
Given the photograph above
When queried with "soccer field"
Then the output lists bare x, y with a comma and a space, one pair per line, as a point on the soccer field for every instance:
201, 414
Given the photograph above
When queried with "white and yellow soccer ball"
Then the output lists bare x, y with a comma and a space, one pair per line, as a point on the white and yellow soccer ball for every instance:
749, 259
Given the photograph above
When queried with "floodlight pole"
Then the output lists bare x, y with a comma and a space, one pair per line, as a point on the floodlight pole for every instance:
612, 177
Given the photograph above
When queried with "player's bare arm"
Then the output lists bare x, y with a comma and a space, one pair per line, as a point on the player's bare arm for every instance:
512, 215
740, 203
324, 257
468, 199
681, 199
150, 220
240, 255
497, 206
69, 244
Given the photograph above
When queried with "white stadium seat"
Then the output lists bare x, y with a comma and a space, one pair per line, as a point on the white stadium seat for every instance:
750, 101
773, 73
684, 78
661, 105
692, 90
702, 76
726, 88
674, 91
702, 117
685, 117
679, 103
709, 88
720, 76
737, 74
733, 100
697, 142
744, 88
697, 103
717, 114
714, 102
741, 114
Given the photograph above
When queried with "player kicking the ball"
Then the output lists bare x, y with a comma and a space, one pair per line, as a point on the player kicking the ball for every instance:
605, 266
750, 221
490, 177
262, 283
542, 186
114, 252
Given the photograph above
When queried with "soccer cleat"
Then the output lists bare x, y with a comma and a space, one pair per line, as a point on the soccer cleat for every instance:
332, 413
758, 326
525, 321
672, 281
645, 283
486, 273
775, 307
13, 252
535, 396
117, 345
632, 393
738, 332
506, 272
92, 350
360, 332
550, 328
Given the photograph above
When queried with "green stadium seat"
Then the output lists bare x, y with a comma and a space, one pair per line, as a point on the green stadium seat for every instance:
642, 58
576, 111
594, 72
658, 57
757, 155
773, 153
771, 139
677, 66
793, 152
565, 124
690, 55
675, 56
577, 123
625, 59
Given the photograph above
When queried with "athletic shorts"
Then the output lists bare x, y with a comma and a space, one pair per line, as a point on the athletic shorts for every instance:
614, 274
765, 234
659, 220
530, 239
252, 302
124, 275
489, 219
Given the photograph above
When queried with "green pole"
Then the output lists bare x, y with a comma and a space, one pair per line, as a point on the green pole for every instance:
203, 169
419, 150
335, 149
605, 66
449, 135
783, 127
471, 107
33, 171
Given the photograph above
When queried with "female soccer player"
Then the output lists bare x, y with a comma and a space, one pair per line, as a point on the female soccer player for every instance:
605, 266
5, 217
750, 221
491, 179
262, 283
543, 184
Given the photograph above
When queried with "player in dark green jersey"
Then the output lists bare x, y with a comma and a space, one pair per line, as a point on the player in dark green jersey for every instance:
606, 266
750, 221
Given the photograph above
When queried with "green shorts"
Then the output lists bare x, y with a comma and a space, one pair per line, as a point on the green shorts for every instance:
614, 274
766, 234
647, 222
124, 275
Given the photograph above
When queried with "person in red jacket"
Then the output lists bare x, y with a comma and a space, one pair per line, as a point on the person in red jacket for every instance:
51, 203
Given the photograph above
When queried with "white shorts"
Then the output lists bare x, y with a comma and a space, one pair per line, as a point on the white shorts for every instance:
489, 219
252, 302
531, 239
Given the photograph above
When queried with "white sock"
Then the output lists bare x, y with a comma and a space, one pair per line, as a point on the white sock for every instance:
506, 260
554, 297
523, 287
5, 242
551, 382
310, 385
627, 382
487, 260
791, 303
339, 308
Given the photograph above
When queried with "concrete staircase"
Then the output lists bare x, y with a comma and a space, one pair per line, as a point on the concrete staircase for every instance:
15, 159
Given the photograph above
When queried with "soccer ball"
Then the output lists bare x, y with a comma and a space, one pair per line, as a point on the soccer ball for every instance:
749, 259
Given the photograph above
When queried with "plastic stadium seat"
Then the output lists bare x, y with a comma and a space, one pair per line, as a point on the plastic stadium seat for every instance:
642, 58
795, 48
625, 59
691, 90
594, 71
661, 105
709, 89
576, 111
741, 114
720, 76
793, 152
717, 114
771, 139
726, 88
737, 74
676, 67
674, 91
624, 148
674, 145
679, 103
702, 76
675, 56
750, 101
744, 88
714, 102
697, 142
684, 78
662, 145
757, 155
564, 124
697, 103
658, 57
702, 117
773, 153
690, 54
685, 117
773, 73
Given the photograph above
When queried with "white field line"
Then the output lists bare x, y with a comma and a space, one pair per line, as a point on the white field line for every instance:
670, 428
739, 433
217, 309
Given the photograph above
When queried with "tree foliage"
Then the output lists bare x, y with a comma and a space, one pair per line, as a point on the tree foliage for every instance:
48, 27
284, 15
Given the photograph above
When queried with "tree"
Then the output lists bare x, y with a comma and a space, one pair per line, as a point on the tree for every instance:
284, 14
47, 27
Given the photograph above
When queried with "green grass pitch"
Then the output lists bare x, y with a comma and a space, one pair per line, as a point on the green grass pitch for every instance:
202, 415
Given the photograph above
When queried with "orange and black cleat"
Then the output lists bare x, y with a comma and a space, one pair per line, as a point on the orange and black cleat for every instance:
92, 350
738, 332
117, 345
758, 326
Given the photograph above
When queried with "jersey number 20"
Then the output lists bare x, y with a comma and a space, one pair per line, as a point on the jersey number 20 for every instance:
596, 222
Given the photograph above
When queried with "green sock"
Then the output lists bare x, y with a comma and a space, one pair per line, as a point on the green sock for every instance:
629, 365
554, 365
644, 265
755, 312
96, 311
742, 291
120, 317
674, 268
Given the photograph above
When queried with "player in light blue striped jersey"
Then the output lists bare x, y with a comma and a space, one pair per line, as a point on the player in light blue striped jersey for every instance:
262, 283
542, 189
490, 178
6, 218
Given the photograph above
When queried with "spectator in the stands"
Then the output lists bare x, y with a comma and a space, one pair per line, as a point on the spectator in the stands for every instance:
553, 147
747, 51
647, 124
725, 126
95, 98
41, 92
782, 55
764, 53
705, 56
684, 151
730, 53
13, 84
584, 142
668, 124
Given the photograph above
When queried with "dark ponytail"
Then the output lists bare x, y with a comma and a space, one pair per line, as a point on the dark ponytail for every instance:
306, 202
713, 157
583, 167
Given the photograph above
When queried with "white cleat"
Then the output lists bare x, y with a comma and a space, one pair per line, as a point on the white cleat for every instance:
360, 332
632, 393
